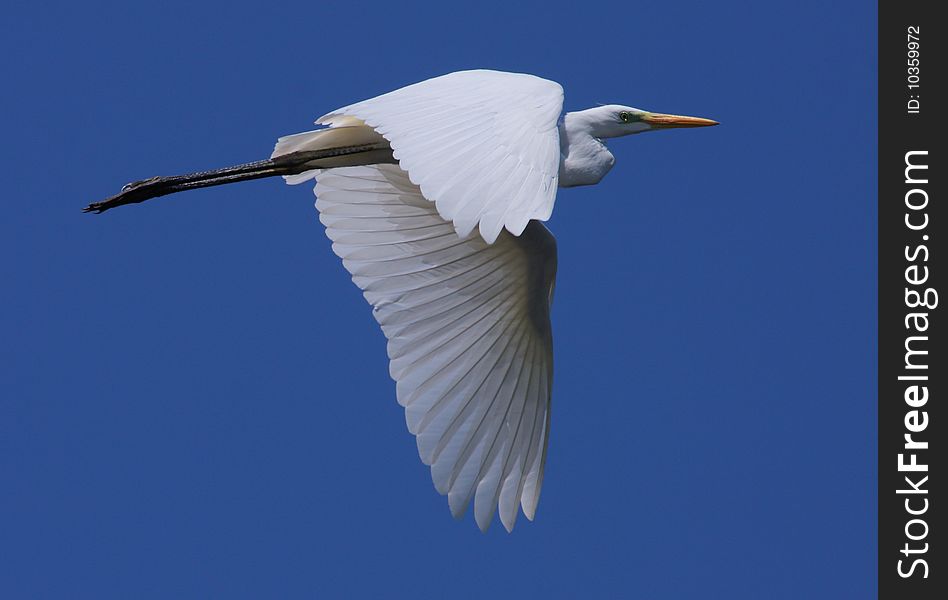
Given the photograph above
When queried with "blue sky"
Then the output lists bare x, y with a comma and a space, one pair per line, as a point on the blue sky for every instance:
195, 397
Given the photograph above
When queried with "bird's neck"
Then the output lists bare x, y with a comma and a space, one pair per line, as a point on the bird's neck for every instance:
584, 159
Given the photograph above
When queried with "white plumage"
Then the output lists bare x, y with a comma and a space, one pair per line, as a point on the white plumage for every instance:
466, 316
482, 145
468, 333
403, 182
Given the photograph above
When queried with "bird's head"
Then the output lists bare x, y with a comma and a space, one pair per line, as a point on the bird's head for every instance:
615, 120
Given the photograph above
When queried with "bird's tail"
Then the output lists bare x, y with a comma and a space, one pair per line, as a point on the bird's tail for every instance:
347, 133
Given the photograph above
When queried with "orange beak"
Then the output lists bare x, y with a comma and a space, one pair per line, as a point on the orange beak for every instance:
660, 121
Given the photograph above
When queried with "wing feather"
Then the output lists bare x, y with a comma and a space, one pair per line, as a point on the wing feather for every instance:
468, 139
468, 332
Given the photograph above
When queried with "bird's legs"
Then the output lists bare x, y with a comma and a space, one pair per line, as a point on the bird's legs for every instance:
286, 164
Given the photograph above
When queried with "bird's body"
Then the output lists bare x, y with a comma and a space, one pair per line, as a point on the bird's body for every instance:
433, 196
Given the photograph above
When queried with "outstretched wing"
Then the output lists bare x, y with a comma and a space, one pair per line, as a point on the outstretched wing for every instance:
468, 333
482, 145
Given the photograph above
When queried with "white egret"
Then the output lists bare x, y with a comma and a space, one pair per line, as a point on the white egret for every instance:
433, 196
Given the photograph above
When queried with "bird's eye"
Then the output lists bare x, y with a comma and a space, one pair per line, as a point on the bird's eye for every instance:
627, 117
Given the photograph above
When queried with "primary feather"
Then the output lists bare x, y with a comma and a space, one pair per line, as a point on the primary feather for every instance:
468, 333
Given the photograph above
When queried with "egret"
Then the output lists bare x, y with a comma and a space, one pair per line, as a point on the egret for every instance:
434, 195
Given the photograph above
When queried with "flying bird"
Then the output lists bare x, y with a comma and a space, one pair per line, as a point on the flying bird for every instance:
434, 195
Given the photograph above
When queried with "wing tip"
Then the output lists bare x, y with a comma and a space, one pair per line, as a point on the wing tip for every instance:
509, 521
